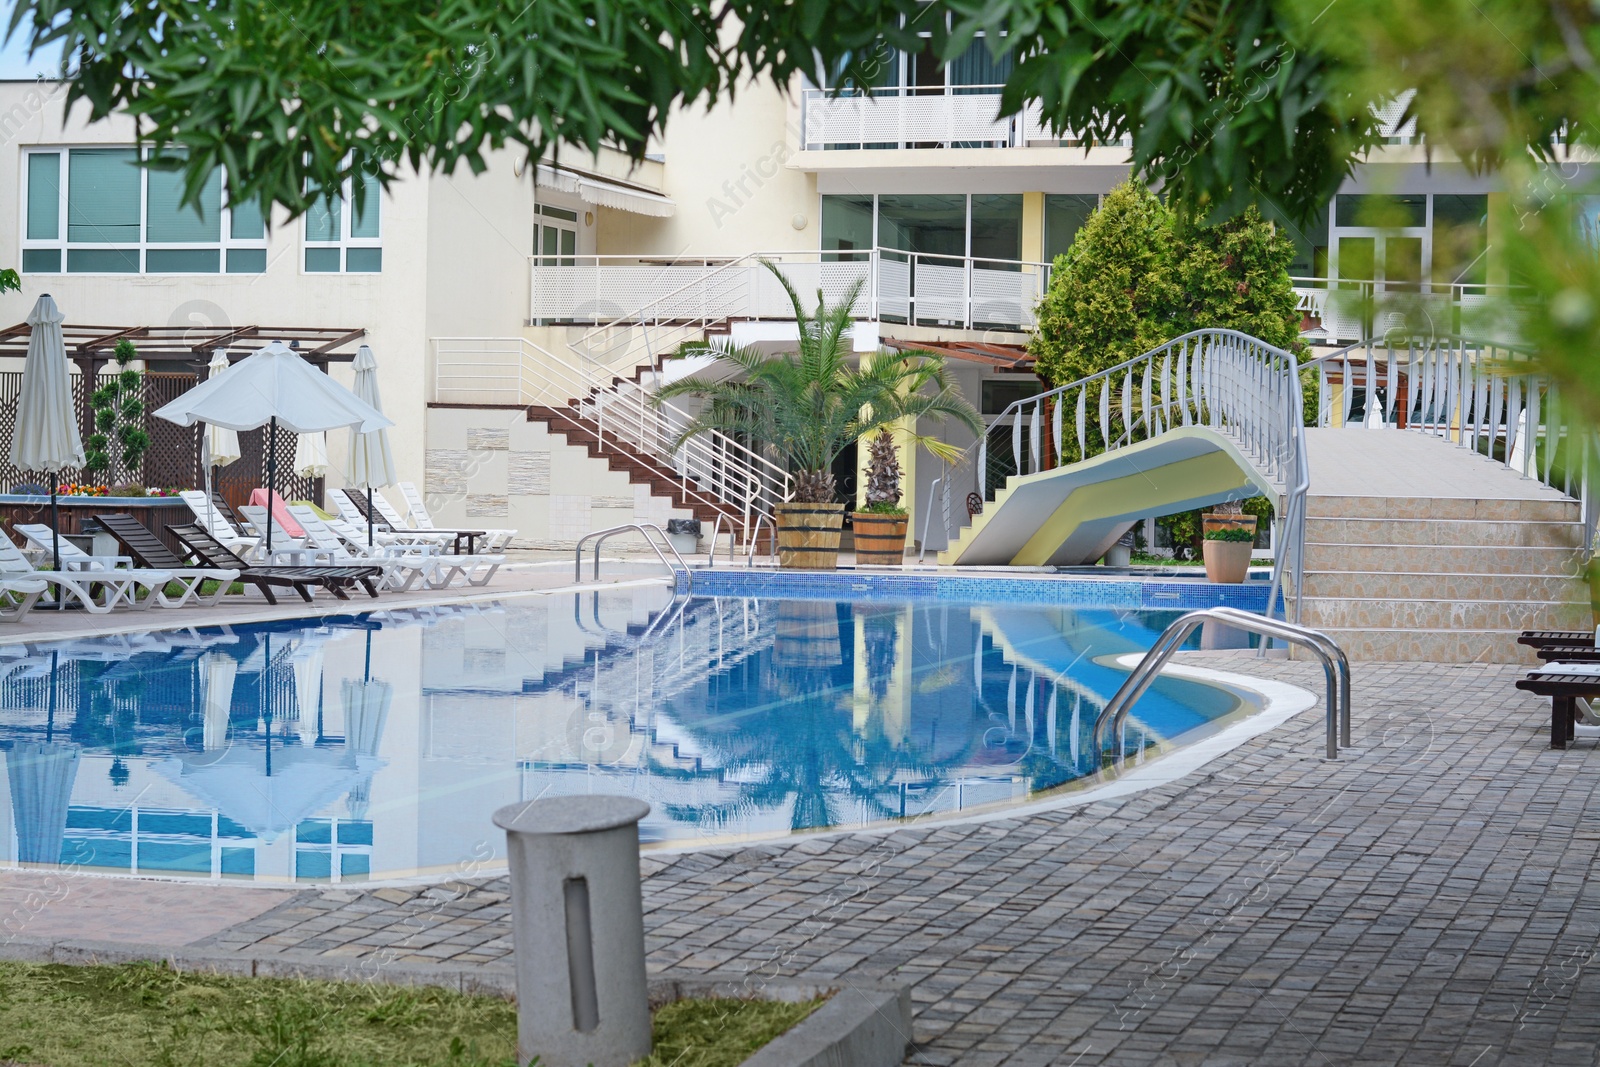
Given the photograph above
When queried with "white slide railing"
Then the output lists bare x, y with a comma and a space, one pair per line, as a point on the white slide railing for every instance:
626, 298
713, 468
1221, 379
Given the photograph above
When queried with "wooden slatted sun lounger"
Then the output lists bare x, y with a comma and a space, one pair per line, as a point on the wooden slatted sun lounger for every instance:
1540, 638
148, 550
1564, 687
337, 580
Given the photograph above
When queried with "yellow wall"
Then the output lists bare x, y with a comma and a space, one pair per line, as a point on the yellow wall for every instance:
1033, 227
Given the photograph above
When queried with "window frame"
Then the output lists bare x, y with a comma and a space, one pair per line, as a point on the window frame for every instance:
63, 245
345, 242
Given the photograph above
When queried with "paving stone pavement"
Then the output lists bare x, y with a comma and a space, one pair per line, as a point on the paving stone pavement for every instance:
1426, 901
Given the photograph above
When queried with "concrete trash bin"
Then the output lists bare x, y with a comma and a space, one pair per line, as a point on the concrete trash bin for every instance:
577, 925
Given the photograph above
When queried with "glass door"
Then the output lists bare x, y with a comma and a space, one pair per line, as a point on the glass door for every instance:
555, 239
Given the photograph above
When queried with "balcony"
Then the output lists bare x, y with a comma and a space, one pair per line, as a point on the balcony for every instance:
965, 116
1346, 310
897, 286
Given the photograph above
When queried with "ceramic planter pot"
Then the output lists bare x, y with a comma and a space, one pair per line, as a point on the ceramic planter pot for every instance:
1227, 561
808, 535
880, 539
1211, 521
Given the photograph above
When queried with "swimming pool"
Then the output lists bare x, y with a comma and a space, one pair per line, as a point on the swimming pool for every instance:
376, 746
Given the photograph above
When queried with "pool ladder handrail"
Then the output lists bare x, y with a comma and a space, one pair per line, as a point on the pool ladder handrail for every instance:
716, 528
644, 528
755, 539
1335, 666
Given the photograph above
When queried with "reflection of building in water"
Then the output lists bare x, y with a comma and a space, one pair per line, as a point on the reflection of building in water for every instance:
381, 745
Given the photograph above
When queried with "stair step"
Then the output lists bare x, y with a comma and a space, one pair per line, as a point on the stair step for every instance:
1434, 559
1433, 646
1354, 585
1441, 507
1415, 614
1453, 532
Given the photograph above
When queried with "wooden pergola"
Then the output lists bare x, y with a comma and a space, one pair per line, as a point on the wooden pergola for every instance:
92, 346
1003, 357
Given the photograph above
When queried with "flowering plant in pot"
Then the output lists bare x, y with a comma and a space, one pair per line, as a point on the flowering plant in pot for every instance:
1230, 538
806, 407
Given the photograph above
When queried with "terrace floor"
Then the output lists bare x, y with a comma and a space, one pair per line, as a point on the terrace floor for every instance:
1425, 900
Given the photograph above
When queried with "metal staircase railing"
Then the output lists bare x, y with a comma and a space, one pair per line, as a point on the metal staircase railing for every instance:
722, 472
1221, 379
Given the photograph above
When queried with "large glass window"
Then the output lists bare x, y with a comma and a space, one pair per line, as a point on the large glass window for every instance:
930, 224
96, 211
342, 238
996, 226
1460, 239
978, 70
1064, 216
846, 225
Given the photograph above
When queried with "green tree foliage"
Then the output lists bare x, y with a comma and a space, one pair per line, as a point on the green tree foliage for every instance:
1235, 275
1138, 275
116, 449
809, 405
9, 280
1114, 295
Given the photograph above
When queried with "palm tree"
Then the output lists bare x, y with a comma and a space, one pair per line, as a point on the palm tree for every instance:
810, 405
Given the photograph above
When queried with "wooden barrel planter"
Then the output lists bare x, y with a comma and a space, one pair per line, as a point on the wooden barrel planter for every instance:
880, 539
808, 535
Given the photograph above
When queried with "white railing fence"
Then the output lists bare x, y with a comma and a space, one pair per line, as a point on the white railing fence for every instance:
1353, 310
719, 470
1481, 395
625, 297
1222, 379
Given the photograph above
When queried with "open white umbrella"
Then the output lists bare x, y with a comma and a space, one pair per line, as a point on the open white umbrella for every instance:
371, 465
274, 386
46, 437
220, 444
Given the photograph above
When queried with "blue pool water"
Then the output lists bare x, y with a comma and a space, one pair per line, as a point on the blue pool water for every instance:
371, 746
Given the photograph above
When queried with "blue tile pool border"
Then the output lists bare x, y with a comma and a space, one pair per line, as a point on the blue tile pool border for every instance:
1153, 593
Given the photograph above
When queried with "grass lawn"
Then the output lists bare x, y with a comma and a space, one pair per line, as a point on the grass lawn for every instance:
59, 1016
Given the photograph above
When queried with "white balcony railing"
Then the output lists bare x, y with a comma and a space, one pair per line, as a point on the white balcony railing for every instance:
953, 291
966, 116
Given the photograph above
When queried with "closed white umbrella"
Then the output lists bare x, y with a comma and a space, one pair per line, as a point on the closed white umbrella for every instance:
45, 437
220, 444
274, 386
366, 711
371, 465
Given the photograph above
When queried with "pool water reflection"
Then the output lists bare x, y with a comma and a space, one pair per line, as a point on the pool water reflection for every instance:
371, 746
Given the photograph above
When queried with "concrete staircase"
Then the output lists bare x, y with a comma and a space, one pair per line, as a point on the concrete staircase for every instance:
1441, 579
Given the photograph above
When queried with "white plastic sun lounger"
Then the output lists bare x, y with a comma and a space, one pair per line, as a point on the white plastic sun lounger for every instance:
494, 540
215, 522
18, 596
400, 571
76, 560
474, 570
387, 522
115, 586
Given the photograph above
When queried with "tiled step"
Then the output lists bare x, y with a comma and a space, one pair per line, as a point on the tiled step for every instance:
1378, 507
1334, 613
1394, 531
1436, 586
1434, 559
1434, 646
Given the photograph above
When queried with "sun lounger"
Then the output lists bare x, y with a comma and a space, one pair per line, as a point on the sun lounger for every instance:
1566, 684
352, 507
442, 569
401, 570
211, 515
76, 559
18, 596
493, 540
97, 590
287, 547
148, 550
1540, 638
389, 515
337, 580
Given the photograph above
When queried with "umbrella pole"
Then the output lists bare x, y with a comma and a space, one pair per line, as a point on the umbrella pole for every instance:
272, 476
55, 525
369, 543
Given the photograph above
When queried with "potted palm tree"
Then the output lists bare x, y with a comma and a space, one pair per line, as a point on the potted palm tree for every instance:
881, 526
808, 406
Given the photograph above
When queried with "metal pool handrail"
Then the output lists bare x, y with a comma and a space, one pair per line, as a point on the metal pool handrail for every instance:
1334, 665
716, 528
600, 536
755, 539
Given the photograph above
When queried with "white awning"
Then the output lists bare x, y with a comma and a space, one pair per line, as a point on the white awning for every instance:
605, 192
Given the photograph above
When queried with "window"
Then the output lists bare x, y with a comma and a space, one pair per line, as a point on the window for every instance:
1064, 216
340, 238
555, 240
96, 211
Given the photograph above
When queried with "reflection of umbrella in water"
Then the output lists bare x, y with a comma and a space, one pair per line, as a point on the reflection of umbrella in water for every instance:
366, 710
41, 777
217, 673
265, 792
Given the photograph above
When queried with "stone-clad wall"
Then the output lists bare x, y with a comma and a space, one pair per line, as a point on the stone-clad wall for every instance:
491, 467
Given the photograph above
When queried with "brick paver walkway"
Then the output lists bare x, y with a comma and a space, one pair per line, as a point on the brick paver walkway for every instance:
1425, 902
